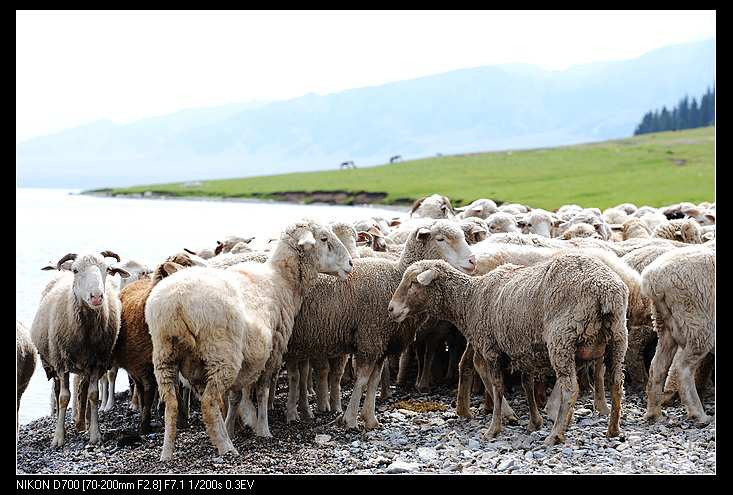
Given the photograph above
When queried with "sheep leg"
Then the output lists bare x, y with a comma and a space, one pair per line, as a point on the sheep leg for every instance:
135, 396
453, 352
211, 412
483, 368
55, 397
273, 390
293, 369
183, 397
384, 391
303, 407
147, 391
95, 437
567, 382
336, 370
80, 389
368, 413
247, 410
553, 403
599, 390
540, 391
688, 391
666, 348
363, 372
112, 380
63, 403
635, 367
234, 398
490, 369
535, 420
309, 381
465, 383
262, 428
322, 373
405, 361
426, 370
618, 351
103, 390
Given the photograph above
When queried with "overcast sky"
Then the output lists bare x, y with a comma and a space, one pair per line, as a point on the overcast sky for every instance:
76, 68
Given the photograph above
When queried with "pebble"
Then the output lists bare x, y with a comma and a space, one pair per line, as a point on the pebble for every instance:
407, 441
402, 467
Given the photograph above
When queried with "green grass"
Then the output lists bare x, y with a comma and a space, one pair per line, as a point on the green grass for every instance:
640, 170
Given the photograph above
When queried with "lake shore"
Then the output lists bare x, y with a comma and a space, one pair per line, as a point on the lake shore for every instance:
419, 433
320, 199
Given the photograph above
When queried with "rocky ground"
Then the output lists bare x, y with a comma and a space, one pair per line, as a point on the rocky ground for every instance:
419, 433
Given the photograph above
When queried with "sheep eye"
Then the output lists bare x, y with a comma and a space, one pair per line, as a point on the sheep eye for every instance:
440, 239
324, 239
75, 270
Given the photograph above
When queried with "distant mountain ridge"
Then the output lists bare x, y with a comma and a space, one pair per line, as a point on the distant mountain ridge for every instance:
477, 109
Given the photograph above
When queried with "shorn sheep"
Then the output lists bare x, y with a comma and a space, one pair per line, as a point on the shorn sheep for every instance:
224, 330
542, 317
681, 285
338, 318
74, 330
25, 362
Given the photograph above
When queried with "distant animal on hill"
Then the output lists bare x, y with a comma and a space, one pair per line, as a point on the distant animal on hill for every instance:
395, 158
349, 164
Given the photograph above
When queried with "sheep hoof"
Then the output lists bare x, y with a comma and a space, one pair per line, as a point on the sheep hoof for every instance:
57, 442
307, 414
534, 425
603, 409
166, 456
371, 425
263, 432
553, 440
490, 434
701, 420
652, 417
95, 438
613, 432
292, 416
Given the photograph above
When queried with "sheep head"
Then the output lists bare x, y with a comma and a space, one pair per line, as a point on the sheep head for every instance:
443, 239
90, 274
412, 295
326, 251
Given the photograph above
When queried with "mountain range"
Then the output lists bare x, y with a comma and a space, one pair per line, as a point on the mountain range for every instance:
513, 106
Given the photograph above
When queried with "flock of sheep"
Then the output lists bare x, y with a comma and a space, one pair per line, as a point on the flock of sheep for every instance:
555, 297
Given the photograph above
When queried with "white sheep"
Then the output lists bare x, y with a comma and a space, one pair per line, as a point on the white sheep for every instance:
224, 330
480, 208
681, 285
541, 317
25, 362
74, 330
502, 222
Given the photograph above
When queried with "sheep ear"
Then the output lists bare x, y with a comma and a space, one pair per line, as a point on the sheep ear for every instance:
710, 217
423, 234
426, 277
248, 240
49, 267
219, 247
461, 208
119, 271
564, 225
375, 232
477, 230
170, 267
416, 205
364, 237
395, 222
307, 240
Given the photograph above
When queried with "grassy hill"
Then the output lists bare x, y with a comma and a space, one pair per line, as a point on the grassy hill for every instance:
653, 169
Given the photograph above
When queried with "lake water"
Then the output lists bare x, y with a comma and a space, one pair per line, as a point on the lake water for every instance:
52, 222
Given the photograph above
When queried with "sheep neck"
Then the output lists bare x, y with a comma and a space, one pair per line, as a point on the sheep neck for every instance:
410, 254
450, 299
289, 263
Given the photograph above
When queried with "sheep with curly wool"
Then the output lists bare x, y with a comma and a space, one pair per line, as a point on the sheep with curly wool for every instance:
540, 222
681, 285
434, 206
75, 330
580, 230
355, 320
224, 330
502, 222
541, 317
684, 230
480, 208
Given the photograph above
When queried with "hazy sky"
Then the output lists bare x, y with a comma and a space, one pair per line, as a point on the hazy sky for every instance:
75, 68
